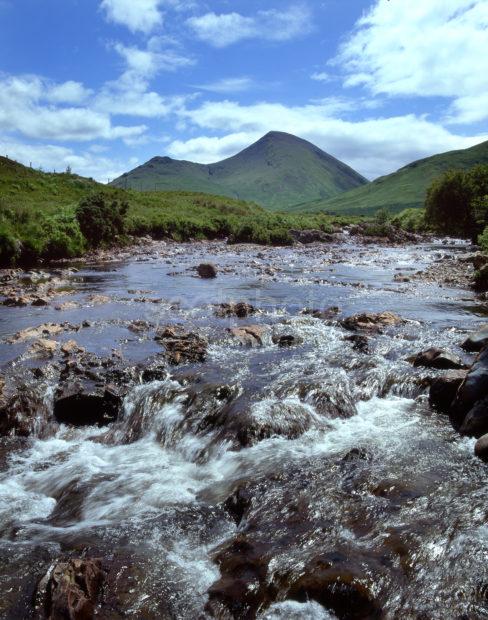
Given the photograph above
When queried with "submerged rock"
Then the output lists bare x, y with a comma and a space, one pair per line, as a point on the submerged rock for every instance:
71, 589
287, 340
437, 358
207, 270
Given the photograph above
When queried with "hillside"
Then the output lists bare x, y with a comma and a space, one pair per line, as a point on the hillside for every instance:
37, 215
403, 189
277, 172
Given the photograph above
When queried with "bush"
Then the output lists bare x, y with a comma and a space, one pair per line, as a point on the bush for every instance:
10, 248
412, 220
63, 236
456, 202
101, 220
483, 240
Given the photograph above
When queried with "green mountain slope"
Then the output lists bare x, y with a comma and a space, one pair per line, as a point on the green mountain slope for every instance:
401, 190
277, 172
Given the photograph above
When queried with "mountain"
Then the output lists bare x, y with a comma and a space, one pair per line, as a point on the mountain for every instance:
403, 189
277, 172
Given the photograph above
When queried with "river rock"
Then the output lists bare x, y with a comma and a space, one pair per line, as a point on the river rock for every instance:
207, 270
43, 348
481, 448
249, 335
359, 343
41, 331
71, 347
98, 300
326, 314
369, 321
22, 408
477, 340
82, 404
287, 340
16, 301
240, 310
182, 346
437, 358
473, 391
310, 236
71, 589
443, 389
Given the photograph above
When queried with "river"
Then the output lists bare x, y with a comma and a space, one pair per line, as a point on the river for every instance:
309, 481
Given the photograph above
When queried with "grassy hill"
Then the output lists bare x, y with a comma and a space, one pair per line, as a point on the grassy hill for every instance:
37, 215
403, 189
277, 172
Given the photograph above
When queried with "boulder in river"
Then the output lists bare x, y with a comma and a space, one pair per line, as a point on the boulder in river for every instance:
468, 411
477, 340
85, 403
207, 270
249, 335
182, 346
437, 358
481, 448
443, 389
43, 347
240, 309
370, 321
71, 589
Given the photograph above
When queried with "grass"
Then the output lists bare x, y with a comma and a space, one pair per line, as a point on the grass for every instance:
37, 216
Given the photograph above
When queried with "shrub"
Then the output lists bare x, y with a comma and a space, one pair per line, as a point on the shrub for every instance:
101, 219
483, 240
10, 248
63, 236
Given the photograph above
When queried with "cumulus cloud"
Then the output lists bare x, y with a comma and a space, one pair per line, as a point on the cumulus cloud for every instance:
68, 92
141, 15
25, 109
321, 77
221, 30
374, 146
432, 48
228, 85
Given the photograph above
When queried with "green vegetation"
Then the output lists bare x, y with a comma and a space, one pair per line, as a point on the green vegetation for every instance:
101, 220
277, 172
457, 202
404, 189
47, 216
412, 220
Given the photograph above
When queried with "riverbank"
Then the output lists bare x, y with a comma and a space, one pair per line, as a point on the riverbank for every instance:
255, 444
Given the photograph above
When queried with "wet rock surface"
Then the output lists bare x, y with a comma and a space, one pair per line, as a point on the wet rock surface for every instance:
203, 457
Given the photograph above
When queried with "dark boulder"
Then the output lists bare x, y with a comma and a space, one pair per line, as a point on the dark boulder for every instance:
85, 403
326, 314
481, 448
22, 409
443, 390
249, 335
475, 424
207, 270
437, 358
476, 341
288, 340
71, 589
359, 343
473, 390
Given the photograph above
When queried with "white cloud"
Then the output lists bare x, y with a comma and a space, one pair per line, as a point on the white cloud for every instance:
22, 110
374, 147
68, 92
228, 85
434, 48
207, 150
143, 15
321, 77
274, 25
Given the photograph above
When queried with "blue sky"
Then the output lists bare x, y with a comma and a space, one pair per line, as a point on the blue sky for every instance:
104, 85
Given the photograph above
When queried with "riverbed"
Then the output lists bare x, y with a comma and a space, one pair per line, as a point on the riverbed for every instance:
304, 476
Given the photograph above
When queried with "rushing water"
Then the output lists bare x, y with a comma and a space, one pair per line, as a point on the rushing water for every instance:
307, 482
